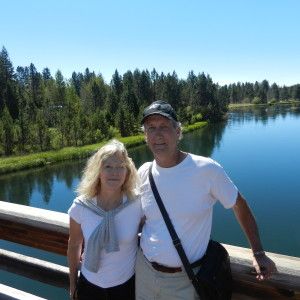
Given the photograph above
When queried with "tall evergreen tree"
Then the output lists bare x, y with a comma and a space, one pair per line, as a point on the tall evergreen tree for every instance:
263, 91
117, 85
8, 129
275, 92
129, 99
154, 79
284, 93
296, 92
46, 74
7, 85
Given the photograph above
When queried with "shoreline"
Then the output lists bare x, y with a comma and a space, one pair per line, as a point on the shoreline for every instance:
239, 105
23, 162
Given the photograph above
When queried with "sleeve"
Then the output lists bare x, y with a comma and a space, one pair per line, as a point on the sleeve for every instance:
75, 212
222, 188
139, 203
143, 171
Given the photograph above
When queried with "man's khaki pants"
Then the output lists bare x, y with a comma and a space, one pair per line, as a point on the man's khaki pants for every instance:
153, 285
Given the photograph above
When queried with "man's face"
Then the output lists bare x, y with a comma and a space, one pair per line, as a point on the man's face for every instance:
161, 135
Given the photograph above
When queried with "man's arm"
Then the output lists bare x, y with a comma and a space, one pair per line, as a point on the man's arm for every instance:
264, 266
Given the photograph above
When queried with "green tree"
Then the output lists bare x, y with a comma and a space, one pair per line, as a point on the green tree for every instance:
284, 93
8, 129
7, 85
76, 82
35, 89
42, 130
154, 80
93, 93
128, 97
46, 74
60, 92
1, 138
124, 121
263, 91
275, 92
171, 90
117, 85
296, 92
142, 87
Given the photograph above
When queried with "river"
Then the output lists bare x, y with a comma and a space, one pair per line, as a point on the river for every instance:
258, 147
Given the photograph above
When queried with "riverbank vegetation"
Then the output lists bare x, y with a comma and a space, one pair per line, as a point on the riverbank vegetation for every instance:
291, 102
40, 112
17, 163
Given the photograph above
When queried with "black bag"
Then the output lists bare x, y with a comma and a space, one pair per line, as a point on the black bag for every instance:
214, 276
214, 280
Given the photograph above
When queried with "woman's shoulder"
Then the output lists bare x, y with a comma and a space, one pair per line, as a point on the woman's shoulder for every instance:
78, 203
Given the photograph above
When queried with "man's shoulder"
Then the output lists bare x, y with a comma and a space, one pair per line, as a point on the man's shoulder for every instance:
202, 160
143, 169
205, 164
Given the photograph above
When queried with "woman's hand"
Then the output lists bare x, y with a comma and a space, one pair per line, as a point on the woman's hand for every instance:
73, 292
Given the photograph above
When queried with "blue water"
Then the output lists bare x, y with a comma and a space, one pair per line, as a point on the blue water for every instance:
260, 150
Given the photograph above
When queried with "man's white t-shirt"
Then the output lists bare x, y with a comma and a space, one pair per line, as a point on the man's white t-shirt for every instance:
115, 267
188, 190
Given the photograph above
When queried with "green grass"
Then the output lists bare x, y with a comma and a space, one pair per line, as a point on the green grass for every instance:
194, 126
237, 105
17, 163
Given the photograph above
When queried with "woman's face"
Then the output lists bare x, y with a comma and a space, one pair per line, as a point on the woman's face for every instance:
113, 173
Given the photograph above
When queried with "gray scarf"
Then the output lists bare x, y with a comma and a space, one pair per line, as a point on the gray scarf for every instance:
103, 236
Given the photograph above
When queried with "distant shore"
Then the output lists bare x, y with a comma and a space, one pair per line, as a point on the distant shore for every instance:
238, 105
23, 162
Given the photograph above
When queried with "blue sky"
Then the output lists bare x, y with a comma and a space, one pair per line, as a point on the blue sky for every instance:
231, 40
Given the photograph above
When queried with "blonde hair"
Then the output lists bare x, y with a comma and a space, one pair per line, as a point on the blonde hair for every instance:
90, 186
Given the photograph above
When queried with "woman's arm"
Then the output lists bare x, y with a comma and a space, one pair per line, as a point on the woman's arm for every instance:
74, 252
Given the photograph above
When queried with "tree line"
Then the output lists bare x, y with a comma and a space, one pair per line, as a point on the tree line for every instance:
41, 112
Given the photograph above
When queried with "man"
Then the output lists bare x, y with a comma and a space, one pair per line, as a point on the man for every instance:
189, 186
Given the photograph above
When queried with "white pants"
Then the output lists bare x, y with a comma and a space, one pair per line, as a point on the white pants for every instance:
153, 285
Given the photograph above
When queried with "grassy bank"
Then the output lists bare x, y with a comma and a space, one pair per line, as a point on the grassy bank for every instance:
17, 163
238, 105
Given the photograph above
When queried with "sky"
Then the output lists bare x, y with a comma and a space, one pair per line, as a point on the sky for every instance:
231, 40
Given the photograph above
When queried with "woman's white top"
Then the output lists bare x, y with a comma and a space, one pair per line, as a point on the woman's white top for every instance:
115, 267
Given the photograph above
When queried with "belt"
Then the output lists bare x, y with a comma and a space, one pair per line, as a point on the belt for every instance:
165, 269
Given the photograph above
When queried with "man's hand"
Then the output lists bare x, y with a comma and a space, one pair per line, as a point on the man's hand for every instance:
264, 266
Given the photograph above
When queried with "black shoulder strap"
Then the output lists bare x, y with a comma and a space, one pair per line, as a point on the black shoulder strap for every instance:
174, 236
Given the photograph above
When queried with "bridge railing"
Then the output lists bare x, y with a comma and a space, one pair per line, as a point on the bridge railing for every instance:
49, 230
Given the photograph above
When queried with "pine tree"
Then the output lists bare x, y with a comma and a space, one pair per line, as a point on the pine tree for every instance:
275, 92
128, 97
7, 85
41, 130
117, 85
296, 92
8, 139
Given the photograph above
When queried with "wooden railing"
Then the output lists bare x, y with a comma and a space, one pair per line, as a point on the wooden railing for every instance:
48, 230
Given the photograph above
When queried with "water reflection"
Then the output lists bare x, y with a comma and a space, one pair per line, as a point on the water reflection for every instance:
204, 141
19, 187
262, 160
263, 114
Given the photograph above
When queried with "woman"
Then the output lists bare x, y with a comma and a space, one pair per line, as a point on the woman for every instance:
105, 218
